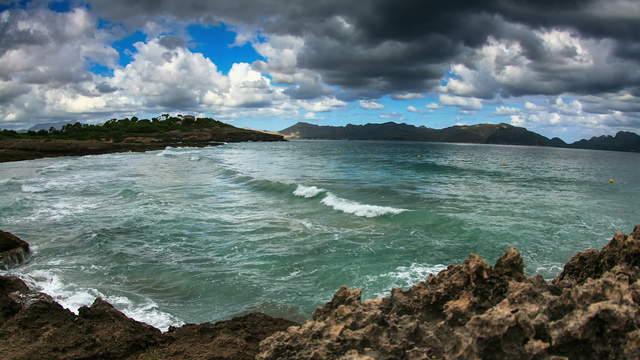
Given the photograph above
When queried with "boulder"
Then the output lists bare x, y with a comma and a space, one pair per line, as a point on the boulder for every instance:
13, 250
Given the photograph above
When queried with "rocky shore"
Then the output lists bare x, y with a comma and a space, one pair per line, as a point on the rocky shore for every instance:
29, 149
468, 311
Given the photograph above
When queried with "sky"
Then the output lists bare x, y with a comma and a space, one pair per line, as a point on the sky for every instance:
561, 68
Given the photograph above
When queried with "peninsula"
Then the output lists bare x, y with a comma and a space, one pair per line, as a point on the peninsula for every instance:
129, 134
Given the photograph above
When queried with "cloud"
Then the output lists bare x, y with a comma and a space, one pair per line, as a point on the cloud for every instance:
322, 105
407, 96
465, 103
584, 52
371, 105
412, 108
433, 106
532, 107
506, 110
386, 48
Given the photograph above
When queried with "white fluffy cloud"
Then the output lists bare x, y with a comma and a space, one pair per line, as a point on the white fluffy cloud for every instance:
328, 103
412, 108
370, 105
465, 103
506, 110
407, 96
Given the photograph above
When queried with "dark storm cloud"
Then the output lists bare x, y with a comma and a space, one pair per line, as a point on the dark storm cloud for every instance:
379, 47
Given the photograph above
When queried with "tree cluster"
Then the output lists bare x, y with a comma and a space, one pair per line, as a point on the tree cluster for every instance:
118, 128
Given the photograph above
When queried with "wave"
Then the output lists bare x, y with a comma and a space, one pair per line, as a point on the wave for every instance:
307, 191
8, 181
175, 152
358, 209
331, 200
72, 298
32, 189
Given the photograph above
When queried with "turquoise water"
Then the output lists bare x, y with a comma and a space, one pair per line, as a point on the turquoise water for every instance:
202, 234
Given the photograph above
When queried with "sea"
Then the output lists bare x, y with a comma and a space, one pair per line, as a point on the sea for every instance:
188, 235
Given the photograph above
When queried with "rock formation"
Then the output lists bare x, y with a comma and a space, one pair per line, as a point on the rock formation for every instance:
34, 326
475, 311
469, 311
13, 250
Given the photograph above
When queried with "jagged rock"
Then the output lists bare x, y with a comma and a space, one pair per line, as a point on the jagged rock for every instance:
13, 250
469, 311
474, 311
34, 326
42, 329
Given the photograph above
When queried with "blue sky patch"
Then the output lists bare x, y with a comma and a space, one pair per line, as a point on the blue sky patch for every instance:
214, 42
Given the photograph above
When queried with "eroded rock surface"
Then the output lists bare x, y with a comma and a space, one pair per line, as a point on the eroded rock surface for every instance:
469, 311
475, 311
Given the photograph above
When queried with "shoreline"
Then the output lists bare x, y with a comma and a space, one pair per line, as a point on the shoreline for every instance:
471, 311
30, 149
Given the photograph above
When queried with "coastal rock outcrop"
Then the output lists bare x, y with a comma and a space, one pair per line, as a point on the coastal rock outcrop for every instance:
13, 250
468, 311
34, 326
475, 311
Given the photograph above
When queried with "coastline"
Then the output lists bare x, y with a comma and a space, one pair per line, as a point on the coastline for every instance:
471, 311
29, 149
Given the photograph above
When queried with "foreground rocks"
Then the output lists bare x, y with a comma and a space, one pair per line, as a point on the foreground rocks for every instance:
475, 311
13, 250
469, 311
34, 326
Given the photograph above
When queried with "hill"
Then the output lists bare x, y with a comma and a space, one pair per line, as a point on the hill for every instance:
478, 134
622, 141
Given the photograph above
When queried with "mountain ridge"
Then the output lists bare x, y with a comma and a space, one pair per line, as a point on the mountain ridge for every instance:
503, 134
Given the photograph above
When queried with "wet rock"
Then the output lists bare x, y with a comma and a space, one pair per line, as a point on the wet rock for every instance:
236, 339
475, 311
13, 250
34, 326
42, 329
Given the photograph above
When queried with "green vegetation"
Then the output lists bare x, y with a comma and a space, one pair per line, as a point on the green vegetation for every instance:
118, 128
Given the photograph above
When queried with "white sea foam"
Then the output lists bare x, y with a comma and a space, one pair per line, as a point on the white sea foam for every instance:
307, 191
173, 152
405, 276
72, 298
32, 188
357, 209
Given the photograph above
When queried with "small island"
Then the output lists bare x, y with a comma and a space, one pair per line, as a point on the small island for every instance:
122, 135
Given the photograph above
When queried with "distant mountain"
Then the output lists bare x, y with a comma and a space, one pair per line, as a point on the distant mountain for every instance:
479, 134
623, 141
47, 126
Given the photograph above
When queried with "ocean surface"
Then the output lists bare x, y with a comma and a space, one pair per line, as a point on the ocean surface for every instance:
202, 234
